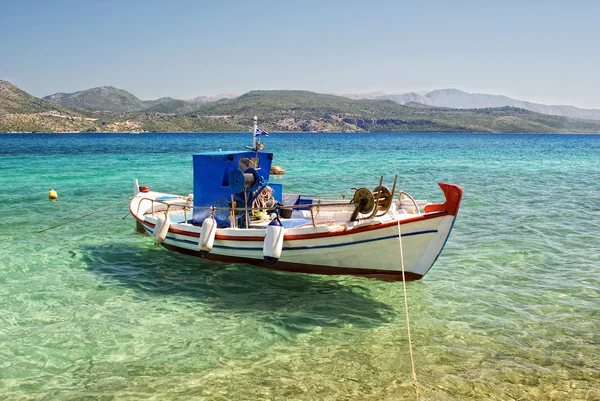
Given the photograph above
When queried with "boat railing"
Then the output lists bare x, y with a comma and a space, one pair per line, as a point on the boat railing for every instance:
319, 208
314, 208
321, 196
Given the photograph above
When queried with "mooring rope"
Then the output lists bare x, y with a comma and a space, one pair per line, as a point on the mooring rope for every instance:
85, 215
412, 360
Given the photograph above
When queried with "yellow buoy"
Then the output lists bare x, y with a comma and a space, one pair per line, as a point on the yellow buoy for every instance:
52, 195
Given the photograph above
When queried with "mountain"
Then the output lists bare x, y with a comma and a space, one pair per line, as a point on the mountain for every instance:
103, 98
278, 110
207, 99
359, 96
21, 112
14, 100
227, 95
308, 111
199, 99
169, 106
458, 99
109, 98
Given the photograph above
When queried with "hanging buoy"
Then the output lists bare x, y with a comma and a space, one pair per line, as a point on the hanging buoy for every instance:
207, 234
161, 229
136, 187
276, 170
273, 241
52, 195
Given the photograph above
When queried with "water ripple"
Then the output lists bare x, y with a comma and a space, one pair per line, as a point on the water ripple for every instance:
510, 310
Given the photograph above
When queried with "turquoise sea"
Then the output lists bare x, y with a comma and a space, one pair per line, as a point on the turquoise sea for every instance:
92, 311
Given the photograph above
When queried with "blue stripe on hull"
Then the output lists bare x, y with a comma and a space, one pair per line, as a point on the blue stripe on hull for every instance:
362, 241
303, 247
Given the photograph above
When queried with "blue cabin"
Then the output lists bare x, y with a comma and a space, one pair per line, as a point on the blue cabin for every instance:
221, 176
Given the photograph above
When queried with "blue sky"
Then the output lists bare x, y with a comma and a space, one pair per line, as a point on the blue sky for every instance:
541, 51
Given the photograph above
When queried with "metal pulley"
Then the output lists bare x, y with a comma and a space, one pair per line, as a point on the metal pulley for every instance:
364, 201
374, 204
240, 181
383, 199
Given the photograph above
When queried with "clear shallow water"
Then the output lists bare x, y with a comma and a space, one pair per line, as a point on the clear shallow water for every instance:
511, 310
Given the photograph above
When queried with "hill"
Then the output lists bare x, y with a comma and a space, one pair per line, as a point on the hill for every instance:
111, 99
170, 106
458, 99
308, 111
21, 112
206, 99
278, 110
103, 98
14, 100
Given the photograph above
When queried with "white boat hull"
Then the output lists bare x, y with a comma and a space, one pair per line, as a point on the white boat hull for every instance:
370, 248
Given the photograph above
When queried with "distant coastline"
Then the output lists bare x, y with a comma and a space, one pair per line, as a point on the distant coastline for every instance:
301, 132
109, 109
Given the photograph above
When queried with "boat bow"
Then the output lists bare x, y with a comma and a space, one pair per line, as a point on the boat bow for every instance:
453, 194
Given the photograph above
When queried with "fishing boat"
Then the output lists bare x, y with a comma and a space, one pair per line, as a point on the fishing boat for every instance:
237, 215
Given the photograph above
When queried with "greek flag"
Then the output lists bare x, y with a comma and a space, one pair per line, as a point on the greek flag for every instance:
259, 131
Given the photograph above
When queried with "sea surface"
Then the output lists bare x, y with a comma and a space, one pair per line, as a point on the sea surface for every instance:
90, 310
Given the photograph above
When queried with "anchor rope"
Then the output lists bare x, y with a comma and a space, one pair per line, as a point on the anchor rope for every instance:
85, 215
410, 347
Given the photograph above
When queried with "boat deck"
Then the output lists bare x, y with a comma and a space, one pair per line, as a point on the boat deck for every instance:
330, 214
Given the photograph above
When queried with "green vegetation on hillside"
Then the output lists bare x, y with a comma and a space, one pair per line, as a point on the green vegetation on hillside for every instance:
277, 110
111, 99
170, 106
14, 100
307, 111
105, 98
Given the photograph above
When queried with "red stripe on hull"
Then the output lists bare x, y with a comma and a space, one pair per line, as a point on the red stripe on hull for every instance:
300, 268
289, 237
182, 232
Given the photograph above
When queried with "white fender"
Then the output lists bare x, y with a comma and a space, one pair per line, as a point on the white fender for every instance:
136, 187
273, 241
207, 234
161, 229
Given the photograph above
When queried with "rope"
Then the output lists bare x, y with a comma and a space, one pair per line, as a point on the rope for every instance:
85, 215
412, 360
261, 201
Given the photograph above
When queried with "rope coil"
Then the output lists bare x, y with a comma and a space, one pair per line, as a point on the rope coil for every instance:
264, 200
